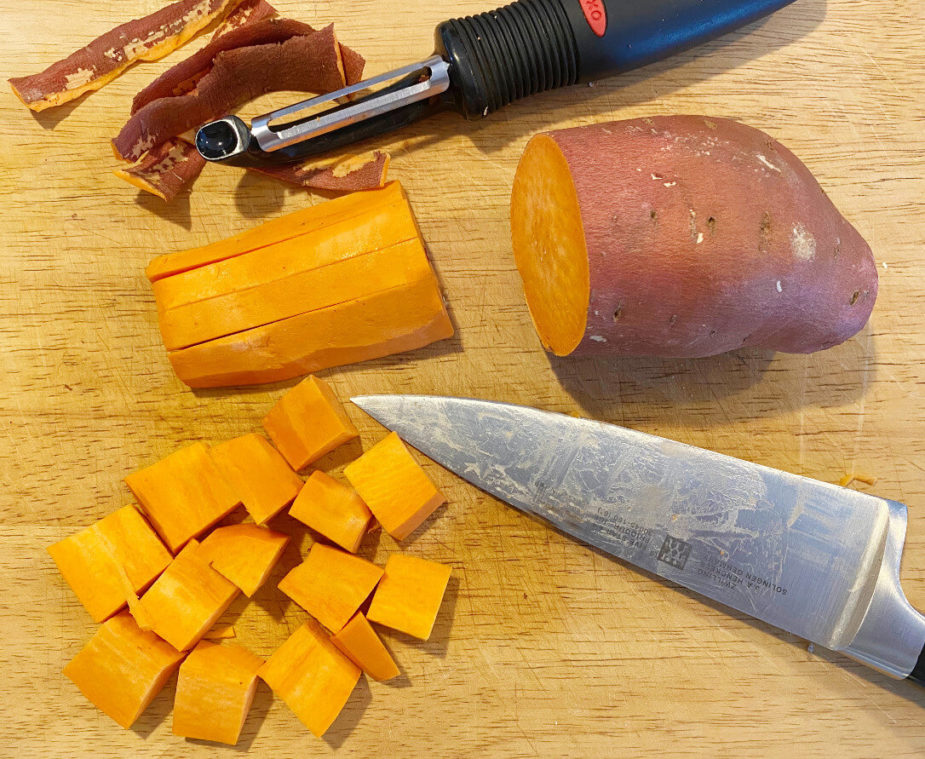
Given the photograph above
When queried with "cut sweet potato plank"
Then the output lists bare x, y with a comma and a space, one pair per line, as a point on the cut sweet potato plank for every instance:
366, 171
312, 676
331, 584
394, 486
215, 691
183, 495
245, 554
166, 170
333, 509
363, 647
308, 422
278, 230
106, 57
122, 668
186, 600
259, 474
409, 595
95, 560
309, 63
394, 321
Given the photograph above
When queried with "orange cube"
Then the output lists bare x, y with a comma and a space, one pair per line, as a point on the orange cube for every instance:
410, 594
122, 668
308, 422
331, 584
183, 494
215, 691
186, 600
117, 555
311, 676
258, 473
363, 647
393, 485
333, 509
244, 554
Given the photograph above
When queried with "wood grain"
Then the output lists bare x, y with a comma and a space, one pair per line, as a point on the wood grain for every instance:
546, 647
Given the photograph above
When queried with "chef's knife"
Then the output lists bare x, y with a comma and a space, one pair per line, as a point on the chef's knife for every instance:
817, 560
482, 63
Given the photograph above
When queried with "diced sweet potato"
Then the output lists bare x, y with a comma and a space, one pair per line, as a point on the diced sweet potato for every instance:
398, 492
333, 509
122, 668
98, 561
409, 595
187, 599
331, 584
215, 690
259, 475
359, 642
312, 676
308, 422
245, 554
183, 495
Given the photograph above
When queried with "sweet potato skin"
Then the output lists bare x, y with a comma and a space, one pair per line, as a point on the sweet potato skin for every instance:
705, 235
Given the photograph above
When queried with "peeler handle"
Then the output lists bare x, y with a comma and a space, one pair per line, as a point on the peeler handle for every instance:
534, 45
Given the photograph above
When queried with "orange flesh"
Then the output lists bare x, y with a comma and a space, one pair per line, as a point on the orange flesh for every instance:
549, 245
359, 642
312, 676
286, 227
308, 422
122, 668
186, 600
120, 552
245, 554
392, 321
409, 595
215, 691
333, 509
183, 495
397, 490
258, 474
331, 584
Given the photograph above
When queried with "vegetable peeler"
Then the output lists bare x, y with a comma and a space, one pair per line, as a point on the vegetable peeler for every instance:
481, 64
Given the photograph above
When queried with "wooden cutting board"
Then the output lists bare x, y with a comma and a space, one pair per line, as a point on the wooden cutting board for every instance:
544, 647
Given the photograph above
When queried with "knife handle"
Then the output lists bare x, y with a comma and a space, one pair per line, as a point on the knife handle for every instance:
534, 45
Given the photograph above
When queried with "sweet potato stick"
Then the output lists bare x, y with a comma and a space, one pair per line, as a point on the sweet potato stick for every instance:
143, 39
310, 63
165, 171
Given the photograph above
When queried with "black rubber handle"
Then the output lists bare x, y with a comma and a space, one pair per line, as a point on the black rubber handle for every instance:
917, 675
534, 45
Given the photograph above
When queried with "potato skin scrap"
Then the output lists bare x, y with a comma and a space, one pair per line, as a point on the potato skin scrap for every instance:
166, 170
701, 235
143, 39
367, 171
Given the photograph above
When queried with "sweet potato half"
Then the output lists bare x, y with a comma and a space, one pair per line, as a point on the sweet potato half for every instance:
683, 236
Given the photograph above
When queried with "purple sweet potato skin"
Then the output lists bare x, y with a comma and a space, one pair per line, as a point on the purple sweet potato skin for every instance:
705, 235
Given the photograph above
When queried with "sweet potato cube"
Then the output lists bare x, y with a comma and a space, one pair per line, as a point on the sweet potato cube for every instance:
101, 560
410, 594
393, 485
244, 554
187, 599
183, 494
215, 691
363, 647
331, 584
259, 475
122, 668
312, 676
308, 422
333, 509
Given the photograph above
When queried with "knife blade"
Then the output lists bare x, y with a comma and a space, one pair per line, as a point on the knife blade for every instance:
817, 560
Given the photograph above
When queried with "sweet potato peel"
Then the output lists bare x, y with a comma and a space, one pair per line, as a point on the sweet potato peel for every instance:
357, 172
144, 39
310, 63
248, 12
165, 171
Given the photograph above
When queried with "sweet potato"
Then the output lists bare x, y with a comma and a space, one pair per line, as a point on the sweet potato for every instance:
683, 236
